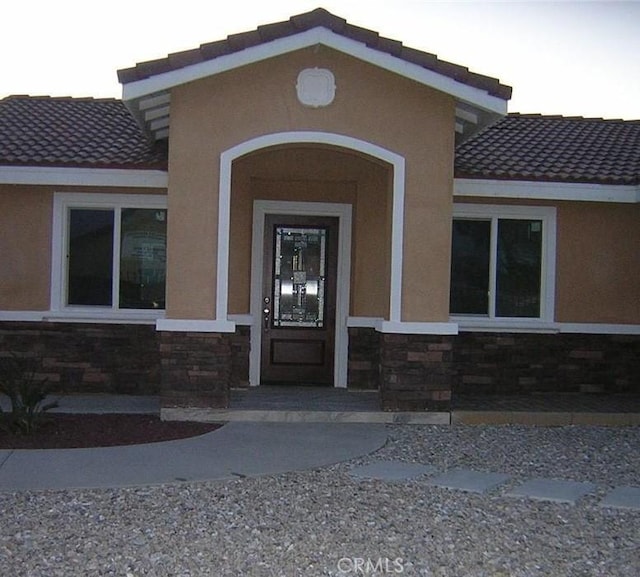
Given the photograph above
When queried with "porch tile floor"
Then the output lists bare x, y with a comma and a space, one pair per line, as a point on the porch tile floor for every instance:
331, 399
271, 403
307, 407
273, 398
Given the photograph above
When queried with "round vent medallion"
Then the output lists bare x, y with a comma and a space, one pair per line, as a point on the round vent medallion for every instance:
316, 87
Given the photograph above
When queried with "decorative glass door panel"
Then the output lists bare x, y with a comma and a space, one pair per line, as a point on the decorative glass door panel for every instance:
299, 277
299, 299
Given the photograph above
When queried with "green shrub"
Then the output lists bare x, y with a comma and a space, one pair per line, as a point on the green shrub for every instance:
26, 392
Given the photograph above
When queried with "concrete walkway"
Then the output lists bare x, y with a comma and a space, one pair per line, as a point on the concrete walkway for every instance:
239, 448
235, 450
481, 482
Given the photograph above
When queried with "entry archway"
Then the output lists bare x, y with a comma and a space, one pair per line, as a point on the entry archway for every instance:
397, 163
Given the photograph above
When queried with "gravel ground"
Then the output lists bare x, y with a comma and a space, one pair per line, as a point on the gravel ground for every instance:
324, 522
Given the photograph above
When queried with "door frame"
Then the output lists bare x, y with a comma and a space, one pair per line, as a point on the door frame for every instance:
343, 212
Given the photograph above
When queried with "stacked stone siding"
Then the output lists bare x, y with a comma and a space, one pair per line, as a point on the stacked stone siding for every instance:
87, 357
196, 369
240, 347
517, 363
364, 359
412, 372
415, 372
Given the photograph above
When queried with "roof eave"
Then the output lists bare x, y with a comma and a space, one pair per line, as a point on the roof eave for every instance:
83, 176
159, 86
545, 190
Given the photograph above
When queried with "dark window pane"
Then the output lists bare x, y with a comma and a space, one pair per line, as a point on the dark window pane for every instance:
143, 250
90, 257
470, 267
519, 262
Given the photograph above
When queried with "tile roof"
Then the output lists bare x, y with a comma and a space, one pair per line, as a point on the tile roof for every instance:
82, 132
301, 23
553, 148
79, 132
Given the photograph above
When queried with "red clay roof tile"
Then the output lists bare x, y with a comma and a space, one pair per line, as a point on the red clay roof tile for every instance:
79, 132
553, 148
83, 132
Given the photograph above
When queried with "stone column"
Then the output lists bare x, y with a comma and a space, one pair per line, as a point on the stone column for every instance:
415, 372
196, 369
364, 359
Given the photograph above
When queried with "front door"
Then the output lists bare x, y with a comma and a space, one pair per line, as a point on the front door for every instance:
299, 300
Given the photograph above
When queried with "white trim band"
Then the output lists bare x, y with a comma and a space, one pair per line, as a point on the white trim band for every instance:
598, 329
531, 190
413, 328
23, 316
195, 326
82, 316
57, 176
531, 326
520, 325
162, 324
242, 320
364, 322
401, 327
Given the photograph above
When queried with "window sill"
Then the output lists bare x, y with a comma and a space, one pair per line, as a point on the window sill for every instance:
107, 316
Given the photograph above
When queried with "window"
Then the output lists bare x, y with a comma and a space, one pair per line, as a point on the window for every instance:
109, 252
90, 257
143, 258
502, 262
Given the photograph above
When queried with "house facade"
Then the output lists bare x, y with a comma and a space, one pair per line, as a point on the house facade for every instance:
311, 203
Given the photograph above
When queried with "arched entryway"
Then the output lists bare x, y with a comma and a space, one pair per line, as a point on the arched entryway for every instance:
315, 175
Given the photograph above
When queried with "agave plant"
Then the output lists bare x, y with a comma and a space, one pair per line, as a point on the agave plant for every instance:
27, 393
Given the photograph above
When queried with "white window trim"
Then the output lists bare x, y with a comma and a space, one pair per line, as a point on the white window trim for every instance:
62, 203
548, 216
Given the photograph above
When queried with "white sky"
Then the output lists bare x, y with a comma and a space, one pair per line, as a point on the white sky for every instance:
570, 58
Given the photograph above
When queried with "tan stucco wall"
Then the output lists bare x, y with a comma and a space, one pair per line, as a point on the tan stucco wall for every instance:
215, 114
598, 263
25, 246
310, 174
26, 214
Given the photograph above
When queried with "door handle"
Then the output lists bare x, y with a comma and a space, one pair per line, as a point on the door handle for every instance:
266, 314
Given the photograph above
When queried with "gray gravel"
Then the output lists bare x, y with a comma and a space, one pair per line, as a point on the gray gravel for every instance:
324, 522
